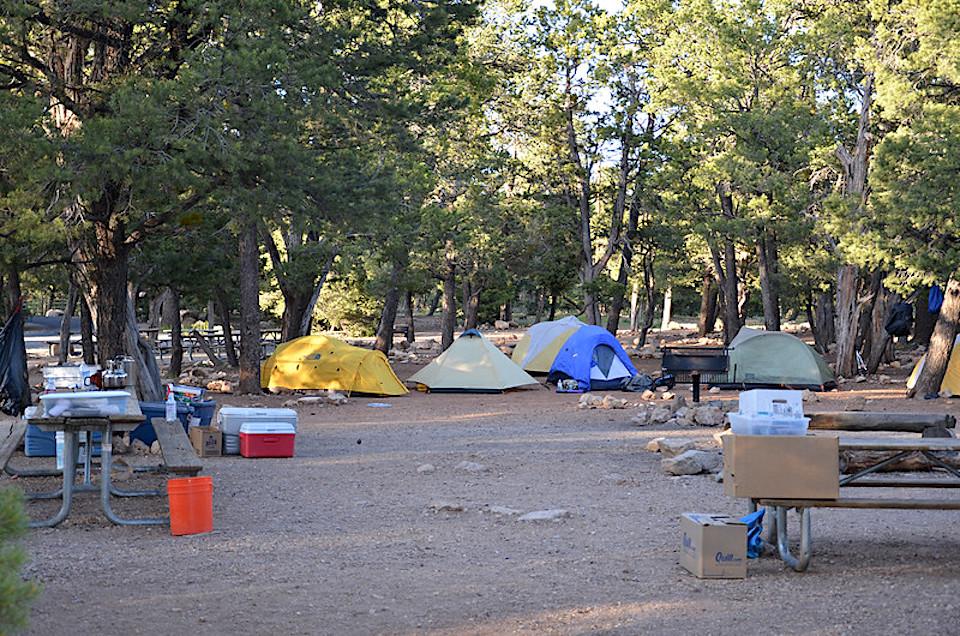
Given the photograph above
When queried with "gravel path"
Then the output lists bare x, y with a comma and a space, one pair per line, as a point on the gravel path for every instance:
345, 539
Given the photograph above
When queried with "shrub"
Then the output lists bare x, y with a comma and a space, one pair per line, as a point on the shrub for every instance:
15, 593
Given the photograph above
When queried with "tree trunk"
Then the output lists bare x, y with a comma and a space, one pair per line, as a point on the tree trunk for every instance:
295, 304
820, 317
471, 313
667, 309
707, 318
506, 311
769, 294
923, 328
144, 358
71, 308
616, 303
156, 312
388, 316
878, 344
12, 288
449, 321
104, 266
541, 306
306, 322
86, 332
941, 343
634, 307
649, 299
731, 294
854, 186
411, 330
228, 347
847, 320
435, 302
552, 314
172, 315
249, 309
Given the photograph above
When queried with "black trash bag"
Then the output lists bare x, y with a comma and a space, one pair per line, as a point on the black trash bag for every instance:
900, 320
638, 383
14, 385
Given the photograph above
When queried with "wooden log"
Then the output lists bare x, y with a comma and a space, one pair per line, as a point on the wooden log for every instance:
207, 348
872, 421
10, 437
854, 461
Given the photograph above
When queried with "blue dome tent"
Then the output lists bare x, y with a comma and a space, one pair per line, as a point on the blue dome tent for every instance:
593, 358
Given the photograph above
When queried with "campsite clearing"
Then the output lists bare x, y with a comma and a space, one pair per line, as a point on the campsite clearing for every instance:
349, 538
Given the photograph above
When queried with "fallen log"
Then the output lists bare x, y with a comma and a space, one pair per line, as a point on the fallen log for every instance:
874, 422
854, 461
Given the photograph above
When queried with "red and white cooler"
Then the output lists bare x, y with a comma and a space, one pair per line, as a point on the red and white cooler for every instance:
267, 439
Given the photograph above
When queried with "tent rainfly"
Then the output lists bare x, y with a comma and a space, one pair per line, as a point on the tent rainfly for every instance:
319, 362
775, 359
471, 365
594, 358
538, 348
951, 379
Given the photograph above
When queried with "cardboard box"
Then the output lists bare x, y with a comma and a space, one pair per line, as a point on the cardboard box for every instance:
206, 440
781, 466
714, 546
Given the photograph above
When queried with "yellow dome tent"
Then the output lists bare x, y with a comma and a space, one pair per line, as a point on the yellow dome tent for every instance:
319, 362
537, 349
951, 379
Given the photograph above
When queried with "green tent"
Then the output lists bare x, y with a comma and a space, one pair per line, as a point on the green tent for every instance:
775, 359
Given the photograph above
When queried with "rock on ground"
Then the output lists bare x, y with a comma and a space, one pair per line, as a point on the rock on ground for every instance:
708, 416
673, 446
426, 469
446, 506
471, 467
691, 462
554, 514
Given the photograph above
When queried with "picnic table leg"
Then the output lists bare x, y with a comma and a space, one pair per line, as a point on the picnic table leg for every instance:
783, 544
106, 456
69, 474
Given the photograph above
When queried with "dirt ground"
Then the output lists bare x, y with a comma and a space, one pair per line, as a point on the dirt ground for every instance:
344, 538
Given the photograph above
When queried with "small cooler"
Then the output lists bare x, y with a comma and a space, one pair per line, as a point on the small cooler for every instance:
231, 418
267, 439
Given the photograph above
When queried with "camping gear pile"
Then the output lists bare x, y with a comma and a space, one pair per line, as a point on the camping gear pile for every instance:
770, 412
257, 432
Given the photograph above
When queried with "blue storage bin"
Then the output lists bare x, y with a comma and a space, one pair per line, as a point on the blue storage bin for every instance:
145, 432
204, 410
37, 443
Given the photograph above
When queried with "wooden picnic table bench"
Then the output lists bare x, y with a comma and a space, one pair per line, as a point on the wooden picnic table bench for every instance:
895, 449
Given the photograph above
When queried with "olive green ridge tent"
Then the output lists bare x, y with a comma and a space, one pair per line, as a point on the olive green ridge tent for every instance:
775, 359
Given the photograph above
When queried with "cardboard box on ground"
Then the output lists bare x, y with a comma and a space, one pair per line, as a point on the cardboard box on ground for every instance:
781, 467
206, 440
713, 546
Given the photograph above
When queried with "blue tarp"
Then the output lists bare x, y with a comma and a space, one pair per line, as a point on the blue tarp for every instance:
577, 356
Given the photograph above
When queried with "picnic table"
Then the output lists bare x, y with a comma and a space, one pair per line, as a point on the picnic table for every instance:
890, 451
176, 453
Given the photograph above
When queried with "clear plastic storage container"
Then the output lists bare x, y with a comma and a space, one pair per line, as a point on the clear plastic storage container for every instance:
85, 403
742, 424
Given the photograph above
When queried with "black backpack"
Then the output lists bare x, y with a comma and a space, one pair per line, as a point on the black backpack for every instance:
900, 320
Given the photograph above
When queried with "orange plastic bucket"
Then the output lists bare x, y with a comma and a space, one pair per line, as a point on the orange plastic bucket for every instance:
191, 505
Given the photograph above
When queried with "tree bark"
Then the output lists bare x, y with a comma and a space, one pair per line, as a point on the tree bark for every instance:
616, 303
228, 347
86, 332
71, 308
471, 313
634, 307
854, 186
140, 349
667, 309
506, 311
388, 316
707, 318
941, 343
156, 313
727, 271
552, 313
649, 297
847, 321
411, 329
448, 322
435, 302
249, 309
878, 344
769, 293
172, 311
12, 288
925, 322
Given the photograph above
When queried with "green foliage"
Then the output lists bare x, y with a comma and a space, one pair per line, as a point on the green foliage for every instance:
15, 593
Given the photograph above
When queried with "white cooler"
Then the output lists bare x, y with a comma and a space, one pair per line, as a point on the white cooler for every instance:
231, 418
